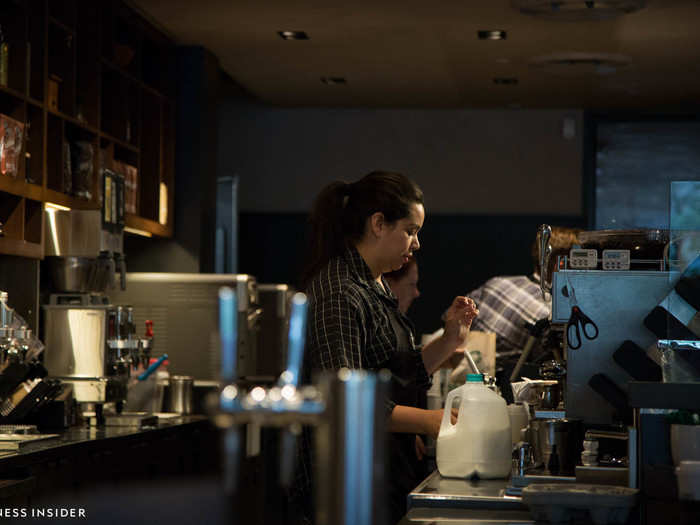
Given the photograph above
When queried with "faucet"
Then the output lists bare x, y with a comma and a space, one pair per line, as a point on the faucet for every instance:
345, 408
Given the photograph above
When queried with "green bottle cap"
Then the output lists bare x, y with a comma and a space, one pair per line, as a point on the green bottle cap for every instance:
475, 378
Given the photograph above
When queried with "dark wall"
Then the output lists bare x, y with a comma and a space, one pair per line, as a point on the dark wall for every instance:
458, 253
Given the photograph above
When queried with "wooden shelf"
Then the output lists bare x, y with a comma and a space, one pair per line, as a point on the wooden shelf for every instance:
21, 248
120, 143
75, 121
55, 21
154, 227
66, 59
13, 92
62, 199
19, 187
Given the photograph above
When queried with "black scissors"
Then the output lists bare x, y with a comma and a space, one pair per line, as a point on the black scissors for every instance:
579, 321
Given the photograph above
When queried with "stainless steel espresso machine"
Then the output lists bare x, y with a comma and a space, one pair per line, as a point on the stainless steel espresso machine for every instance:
601, 294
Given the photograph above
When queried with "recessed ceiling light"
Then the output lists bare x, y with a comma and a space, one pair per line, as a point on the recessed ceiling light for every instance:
505, 81
293, 35
491, 34
333, 81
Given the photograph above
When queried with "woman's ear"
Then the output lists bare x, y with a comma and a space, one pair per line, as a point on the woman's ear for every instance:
377, 223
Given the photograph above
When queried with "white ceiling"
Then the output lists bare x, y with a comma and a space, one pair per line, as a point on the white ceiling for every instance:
420, 53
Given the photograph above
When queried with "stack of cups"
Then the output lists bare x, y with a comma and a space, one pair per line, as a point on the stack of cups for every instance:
589, 455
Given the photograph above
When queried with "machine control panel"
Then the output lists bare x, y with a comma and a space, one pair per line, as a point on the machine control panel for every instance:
616, 259
583, 259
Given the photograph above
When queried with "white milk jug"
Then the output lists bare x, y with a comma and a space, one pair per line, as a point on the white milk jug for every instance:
479, 444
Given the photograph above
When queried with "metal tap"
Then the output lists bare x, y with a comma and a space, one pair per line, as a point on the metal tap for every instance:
345, 407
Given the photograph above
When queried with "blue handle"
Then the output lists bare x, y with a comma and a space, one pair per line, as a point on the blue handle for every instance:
228, 330
144, 375
297, 338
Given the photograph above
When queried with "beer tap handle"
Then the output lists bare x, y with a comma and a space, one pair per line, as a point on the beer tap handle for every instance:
288, 453
232, 456
296, 341
228, 330
291, 376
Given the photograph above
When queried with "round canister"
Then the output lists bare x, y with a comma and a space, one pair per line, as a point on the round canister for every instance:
181, 392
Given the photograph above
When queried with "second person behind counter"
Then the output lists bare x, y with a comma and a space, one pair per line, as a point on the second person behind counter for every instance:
404, 284
359, 232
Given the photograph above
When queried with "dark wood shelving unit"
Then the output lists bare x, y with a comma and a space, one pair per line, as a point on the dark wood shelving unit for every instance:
88, 76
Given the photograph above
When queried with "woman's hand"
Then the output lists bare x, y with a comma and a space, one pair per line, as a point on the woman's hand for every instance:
458, 320
433, 420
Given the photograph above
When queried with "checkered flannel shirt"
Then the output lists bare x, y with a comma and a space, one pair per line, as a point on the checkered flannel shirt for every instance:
505, 304
349, 326
349, 320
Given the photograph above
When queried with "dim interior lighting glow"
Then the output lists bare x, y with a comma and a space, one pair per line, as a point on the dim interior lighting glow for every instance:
163, 204
288, 392
258, 394
334, 81
136, 231
53, 206
229, 392
491, 34
293, 35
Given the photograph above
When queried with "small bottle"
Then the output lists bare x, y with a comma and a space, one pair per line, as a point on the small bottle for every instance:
4, 59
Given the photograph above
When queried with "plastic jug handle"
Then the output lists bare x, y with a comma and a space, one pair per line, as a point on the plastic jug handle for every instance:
446, 419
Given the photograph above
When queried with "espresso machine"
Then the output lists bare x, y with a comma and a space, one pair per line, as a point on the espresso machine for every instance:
601, 294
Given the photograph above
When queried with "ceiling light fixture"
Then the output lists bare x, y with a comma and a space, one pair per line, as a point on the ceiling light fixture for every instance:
333, 81
491, 34
293, 35
505, 81
568, 10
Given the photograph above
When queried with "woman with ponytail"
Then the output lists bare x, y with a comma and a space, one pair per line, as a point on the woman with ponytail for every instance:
360, 231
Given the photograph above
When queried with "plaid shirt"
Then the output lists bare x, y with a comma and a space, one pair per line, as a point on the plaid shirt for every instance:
350, 320
349, 325
505, 304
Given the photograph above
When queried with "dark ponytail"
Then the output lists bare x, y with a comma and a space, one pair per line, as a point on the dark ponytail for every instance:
340, 213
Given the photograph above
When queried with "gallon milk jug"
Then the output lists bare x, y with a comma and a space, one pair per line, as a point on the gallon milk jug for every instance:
479, 444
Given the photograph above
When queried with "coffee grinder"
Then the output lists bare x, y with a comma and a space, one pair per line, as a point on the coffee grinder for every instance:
90, 342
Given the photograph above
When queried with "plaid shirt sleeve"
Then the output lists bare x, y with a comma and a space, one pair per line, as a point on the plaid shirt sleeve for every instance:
336, 333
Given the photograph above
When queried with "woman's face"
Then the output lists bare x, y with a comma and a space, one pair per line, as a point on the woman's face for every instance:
399, 240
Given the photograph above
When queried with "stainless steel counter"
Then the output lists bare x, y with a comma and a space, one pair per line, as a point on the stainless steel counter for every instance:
439, 492
426, 516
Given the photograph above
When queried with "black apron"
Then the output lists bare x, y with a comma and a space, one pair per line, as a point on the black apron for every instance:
404, 471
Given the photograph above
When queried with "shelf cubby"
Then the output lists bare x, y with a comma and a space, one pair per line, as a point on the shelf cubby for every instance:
13, 22
36, 28
63, 12
149, 168
61, 69
54, 154
88, 64
12, 215
33, 221
83, 146
115, 79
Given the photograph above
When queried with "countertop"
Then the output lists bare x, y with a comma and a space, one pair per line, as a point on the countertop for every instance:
87, 436
437, 491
